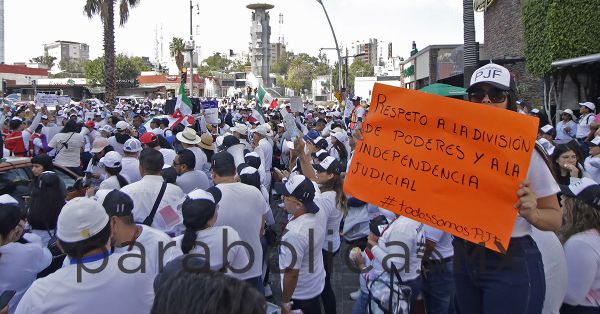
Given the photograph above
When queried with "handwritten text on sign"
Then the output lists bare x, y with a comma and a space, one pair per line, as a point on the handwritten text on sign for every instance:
448, 163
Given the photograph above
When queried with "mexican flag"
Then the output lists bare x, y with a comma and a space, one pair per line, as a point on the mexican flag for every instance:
262, 96
183, 104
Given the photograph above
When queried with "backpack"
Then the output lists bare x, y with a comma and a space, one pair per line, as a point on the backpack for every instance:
389, 296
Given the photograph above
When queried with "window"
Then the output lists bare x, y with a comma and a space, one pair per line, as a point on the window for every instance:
15, 182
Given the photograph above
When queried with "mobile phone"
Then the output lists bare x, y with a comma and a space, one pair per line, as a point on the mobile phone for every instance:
6, 296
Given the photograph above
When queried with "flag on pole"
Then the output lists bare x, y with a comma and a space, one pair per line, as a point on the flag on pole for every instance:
262, 96
184, 103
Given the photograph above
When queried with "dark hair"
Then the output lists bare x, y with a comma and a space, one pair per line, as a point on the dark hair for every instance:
206, 293
187, 157
559, 150
44, 160
336, 184
251, 179
196, 214
117, 172
322, 121
208, 152
151, 161
14, 124
342, 152
76, 250
71, 126
10, 215
162, 141
106, 149
169, 174
113, 120
223, 164
47, 200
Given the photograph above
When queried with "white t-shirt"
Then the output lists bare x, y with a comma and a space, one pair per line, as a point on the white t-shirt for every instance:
131, 169
108, 291
311, 276
592, 167
583, 127
327, 203
110, 183
118, 147
152, 240
562, 136
19, 266
201, 158
144, 194
409, 232
542, 183
67, 157
213, 238
555, 269
265, 151
192, 180
242, 207
443, 243
582, 252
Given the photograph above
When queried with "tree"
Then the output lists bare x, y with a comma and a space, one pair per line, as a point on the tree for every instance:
127, 70
73, 65
176, 50
106, 10
46, 60
238, 66
215, 63
302, 69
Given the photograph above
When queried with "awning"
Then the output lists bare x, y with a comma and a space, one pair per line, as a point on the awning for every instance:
444, 90
96, 90
573, 62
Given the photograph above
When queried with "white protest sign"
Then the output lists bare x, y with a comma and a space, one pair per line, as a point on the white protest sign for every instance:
46, 100
296, 104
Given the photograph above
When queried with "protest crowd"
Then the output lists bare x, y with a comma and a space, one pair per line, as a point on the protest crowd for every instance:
176, 214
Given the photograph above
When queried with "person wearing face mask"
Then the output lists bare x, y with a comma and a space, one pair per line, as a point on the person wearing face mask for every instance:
513, 282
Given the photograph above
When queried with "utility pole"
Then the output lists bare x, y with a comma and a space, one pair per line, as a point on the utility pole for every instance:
346, 72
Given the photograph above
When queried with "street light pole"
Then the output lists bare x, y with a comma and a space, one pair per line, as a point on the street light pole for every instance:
192, 52
337, 47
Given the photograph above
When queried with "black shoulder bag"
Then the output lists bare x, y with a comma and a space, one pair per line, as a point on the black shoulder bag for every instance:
148, 221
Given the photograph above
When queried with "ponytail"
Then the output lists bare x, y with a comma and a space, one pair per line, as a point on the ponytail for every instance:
189, 241
122, 181
336, 184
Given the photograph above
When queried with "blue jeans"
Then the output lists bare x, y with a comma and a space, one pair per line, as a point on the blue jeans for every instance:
438, 287
361, 304
488, 282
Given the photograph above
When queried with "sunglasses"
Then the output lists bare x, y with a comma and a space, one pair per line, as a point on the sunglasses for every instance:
494, 95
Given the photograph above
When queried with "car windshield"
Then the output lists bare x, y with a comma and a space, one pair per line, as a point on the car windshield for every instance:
15, 182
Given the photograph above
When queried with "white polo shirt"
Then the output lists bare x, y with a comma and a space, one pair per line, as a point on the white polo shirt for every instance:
108, 291
214, 239
297, 234
144, 194
265, 151
443, 243
201, 158
19, 266
152, 240
327, 203
131, 169
583, 127
409, 232
242, 207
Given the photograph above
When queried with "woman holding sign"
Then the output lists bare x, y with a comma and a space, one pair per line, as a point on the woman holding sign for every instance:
489, 282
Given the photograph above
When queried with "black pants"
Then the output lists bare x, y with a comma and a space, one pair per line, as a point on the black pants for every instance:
328, 296
578, 309
310, 306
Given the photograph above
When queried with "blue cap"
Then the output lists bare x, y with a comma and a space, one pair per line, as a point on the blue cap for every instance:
311, 135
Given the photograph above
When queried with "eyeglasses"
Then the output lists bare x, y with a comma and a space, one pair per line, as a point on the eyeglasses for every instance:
494, 95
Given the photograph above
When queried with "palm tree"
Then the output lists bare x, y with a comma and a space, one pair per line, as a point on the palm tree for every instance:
176, 49
106, 10
470, 49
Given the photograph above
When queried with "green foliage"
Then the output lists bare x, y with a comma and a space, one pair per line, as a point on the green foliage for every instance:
356, 68
559, 29
45, 60
217, 63
73, 65
303, 68
127, 70
176, 51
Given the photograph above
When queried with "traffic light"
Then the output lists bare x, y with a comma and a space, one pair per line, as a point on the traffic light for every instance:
184, 75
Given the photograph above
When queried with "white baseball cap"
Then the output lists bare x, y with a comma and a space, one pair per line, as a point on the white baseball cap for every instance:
546, 128
570, 112
589, 105
493, 74
240, 128
132, 145
80, 219
262, 130
122, 125
111, 160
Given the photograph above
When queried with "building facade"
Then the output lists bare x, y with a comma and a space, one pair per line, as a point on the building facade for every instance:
278, 51
65, 50
367, 51
503, 34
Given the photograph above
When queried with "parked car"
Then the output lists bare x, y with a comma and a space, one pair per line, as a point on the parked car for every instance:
16, 176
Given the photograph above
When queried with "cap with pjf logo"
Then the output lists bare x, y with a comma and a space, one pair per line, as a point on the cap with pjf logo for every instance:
493, 74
